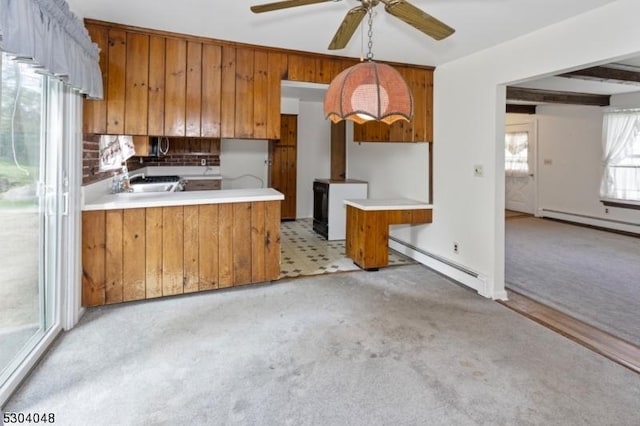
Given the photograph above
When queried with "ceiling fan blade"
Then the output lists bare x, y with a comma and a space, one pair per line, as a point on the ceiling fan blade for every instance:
347, 27
268, 7
418, 19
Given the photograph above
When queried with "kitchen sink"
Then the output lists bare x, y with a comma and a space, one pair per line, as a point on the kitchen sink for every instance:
151, 187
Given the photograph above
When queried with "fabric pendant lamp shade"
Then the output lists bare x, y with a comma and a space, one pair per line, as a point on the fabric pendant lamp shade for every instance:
368, 91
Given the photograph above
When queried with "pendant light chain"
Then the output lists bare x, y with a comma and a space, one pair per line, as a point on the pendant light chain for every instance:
370, 34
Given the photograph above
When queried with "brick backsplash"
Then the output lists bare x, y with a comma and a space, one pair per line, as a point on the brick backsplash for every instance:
91, 164
90, 161
172, 160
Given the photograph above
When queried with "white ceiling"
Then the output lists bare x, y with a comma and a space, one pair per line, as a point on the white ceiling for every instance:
479, 24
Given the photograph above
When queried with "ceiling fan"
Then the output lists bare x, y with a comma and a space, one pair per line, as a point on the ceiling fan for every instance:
401, 9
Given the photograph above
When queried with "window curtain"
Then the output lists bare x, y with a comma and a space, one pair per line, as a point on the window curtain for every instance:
620, 130
516, 154
48, 35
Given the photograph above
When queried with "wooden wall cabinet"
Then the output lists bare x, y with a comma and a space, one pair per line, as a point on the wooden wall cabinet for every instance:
135, 254
162, 84
165, 84
420, 128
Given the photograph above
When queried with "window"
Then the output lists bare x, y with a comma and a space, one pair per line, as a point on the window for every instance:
516, 154
30, 134
621, 156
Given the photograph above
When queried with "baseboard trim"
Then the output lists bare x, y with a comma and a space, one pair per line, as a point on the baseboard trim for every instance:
597, 222
452, 270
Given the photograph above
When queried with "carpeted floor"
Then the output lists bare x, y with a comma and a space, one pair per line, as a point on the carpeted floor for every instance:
589, 274
402, 346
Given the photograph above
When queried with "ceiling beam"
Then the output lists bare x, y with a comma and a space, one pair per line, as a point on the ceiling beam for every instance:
556, 97
604, 74
521, 109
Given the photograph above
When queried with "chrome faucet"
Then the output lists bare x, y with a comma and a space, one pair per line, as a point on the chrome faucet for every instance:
121, 182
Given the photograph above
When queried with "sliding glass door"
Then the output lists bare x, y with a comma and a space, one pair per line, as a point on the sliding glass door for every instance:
30, 212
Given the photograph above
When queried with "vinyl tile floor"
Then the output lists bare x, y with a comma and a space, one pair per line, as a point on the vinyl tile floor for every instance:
305, 252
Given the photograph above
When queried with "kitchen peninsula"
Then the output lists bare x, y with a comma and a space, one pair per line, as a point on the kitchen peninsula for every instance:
368, 223
145, 245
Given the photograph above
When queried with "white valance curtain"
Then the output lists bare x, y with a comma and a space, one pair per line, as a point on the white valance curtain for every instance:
620, 179
48, 35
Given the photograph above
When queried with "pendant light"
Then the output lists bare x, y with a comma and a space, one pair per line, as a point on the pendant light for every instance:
368, 91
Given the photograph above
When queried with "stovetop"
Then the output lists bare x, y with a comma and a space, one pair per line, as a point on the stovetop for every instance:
155, 179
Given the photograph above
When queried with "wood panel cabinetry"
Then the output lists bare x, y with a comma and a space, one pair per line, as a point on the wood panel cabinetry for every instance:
284, 164
135, 254
420, 128
165, 84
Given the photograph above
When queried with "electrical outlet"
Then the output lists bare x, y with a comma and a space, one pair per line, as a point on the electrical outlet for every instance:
606, 210
456, 247
203, 162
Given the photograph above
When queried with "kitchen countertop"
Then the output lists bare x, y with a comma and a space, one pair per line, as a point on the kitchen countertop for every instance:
187, 198
388, 204
337, 181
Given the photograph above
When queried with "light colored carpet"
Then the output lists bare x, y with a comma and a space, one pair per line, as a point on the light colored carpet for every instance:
402, 346
589, 274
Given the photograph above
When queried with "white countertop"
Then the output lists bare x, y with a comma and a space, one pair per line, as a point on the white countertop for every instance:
187, 198
388, 204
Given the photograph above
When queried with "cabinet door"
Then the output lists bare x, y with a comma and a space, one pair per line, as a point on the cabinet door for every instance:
288, 130
211, 90
137, 80
260, 94
277, 63
301, 68
283, 177
95, 111
116, 81
228, 98
289, 204
175, 87
156, 85
244, 93
194, 88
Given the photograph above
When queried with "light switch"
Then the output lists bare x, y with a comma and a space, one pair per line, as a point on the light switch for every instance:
478, 170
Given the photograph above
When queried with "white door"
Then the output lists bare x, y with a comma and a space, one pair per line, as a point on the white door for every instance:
520, 167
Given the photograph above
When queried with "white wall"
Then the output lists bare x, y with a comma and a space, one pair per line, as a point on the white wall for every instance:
570, 139
392, 170
314, 154
243, 163
467, 208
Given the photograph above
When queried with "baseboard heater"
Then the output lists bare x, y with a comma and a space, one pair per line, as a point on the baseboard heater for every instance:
449, 269
590, 220
436, 257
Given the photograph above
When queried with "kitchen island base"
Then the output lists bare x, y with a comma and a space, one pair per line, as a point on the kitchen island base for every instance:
143, 253
368, 221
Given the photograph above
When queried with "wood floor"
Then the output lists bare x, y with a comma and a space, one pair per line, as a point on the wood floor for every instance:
615, 349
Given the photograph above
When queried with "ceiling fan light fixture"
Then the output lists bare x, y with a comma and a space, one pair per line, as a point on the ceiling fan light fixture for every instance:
368, 91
